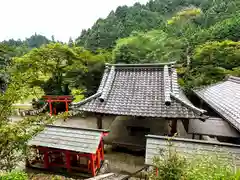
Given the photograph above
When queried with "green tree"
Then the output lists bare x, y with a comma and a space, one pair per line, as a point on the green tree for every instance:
227, 29
211, 62
224, 54
70, 42
48, 65
36, 40
153, 46
118, 24
15, 134
89, 80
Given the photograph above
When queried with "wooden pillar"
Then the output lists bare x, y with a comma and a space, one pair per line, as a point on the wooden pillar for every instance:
174, 127
99, 121
93, 165
66, 103
46, 159
68, 161
50, 106
193, 136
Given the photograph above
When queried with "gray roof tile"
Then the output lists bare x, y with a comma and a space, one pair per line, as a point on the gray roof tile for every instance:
190, 148
67, 138
224, 98
212, 126
138, 90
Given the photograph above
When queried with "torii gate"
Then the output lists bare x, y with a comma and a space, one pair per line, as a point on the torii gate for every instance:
52, 98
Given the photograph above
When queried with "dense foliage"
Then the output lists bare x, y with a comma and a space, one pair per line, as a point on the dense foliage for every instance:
172, 30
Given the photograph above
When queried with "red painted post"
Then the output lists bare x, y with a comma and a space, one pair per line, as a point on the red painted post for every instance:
98, 159
156, 171
50, 106
68, 161
46, 159
93, 165
102, 149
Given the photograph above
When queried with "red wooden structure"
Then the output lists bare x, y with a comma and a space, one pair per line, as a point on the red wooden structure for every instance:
72, 149
51, 99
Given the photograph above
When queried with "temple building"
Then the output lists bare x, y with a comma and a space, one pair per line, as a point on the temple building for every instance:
142, 92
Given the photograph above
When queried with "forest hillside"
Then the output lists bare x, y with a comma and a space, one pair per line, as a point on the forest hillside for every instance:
202, 36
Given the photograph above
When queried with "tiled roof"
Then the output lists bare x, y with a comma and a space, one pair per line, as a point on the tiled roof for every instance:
149, 90
156, 145
68, 138
212, 126
224, 98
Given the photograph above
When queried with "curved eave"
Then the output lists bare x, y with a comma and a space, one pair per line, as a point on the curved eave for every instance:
77, 105
198, 111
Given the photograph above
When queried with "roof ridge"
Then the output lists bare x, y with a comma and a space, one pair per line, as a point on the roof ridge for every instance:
142, 65
189, 105
78, 128
234, 79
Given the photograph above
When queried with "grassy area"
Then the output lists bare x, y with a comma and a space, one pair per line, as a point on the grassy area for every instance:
22, 106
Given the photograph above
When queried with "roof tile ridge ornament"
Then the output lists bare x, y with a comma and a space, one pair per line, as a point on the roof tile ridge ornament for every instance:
174, 78
194, 108
86, 100
166, 86
104, 78
108, 85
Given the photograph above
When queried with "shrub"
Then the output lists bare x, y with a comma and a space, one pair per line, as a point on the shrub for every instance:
14, 175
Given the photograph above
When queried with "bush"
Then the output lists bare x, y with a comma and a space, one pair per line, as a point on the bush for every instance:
14, 175
170, 165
